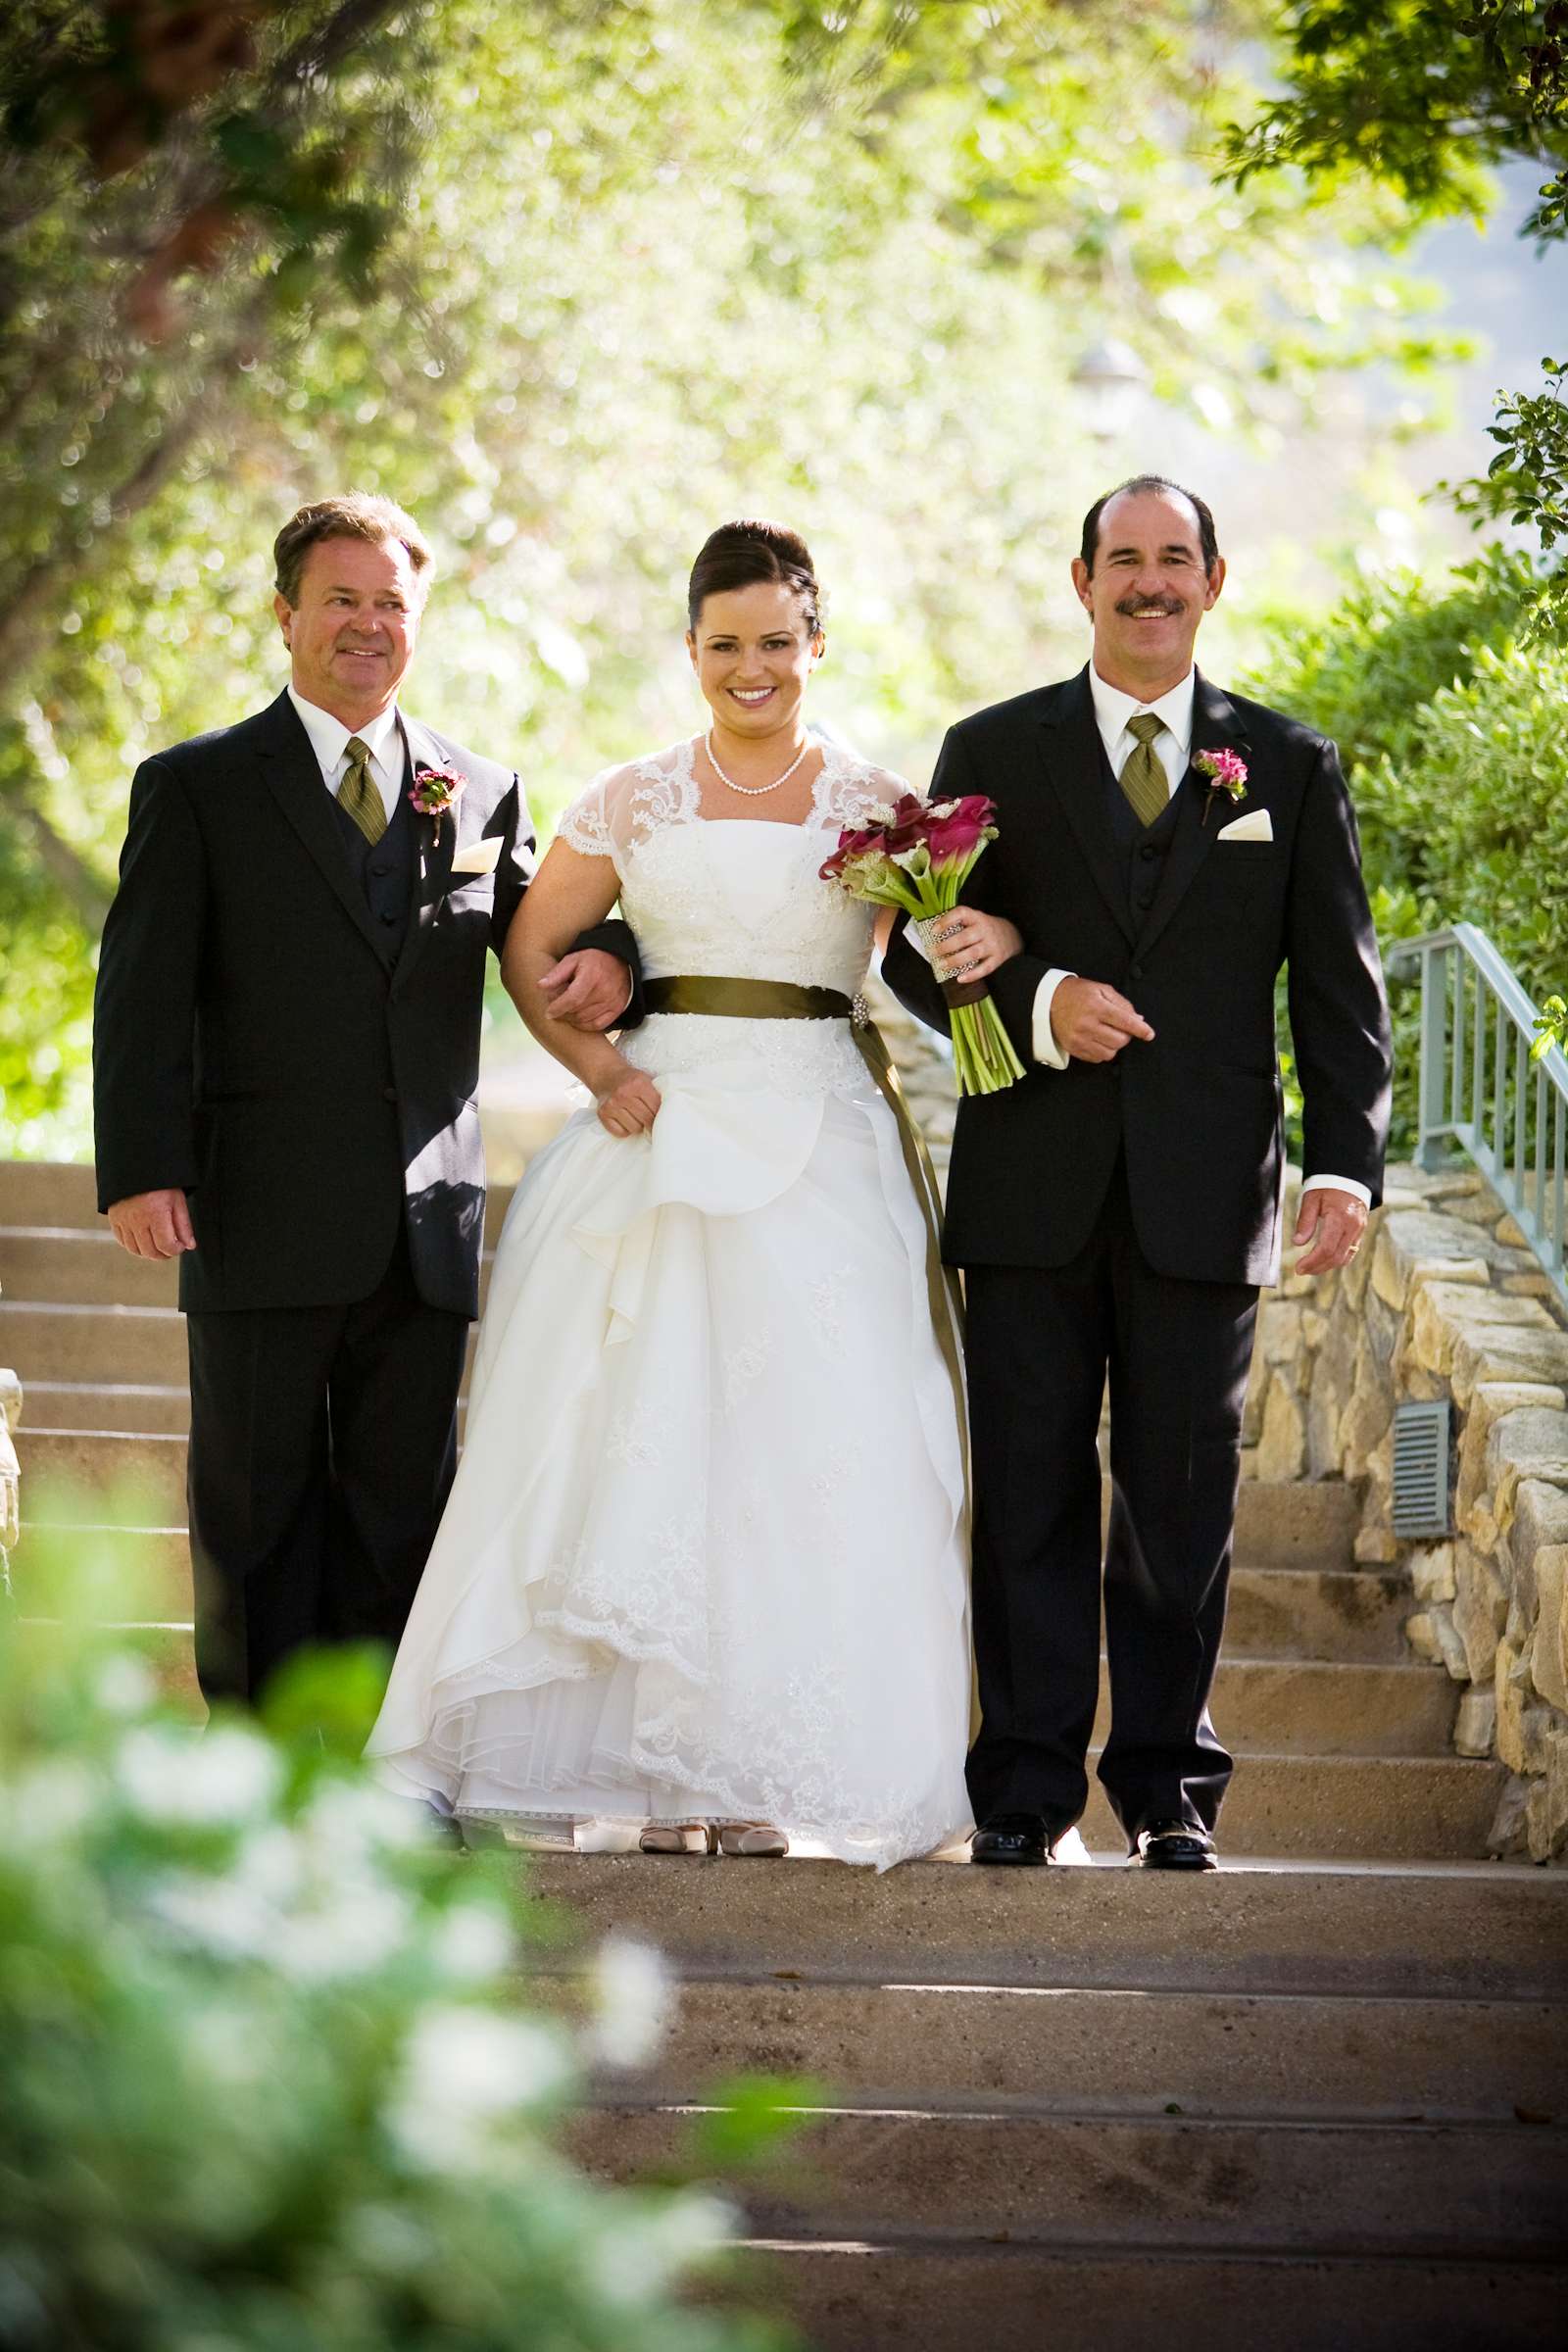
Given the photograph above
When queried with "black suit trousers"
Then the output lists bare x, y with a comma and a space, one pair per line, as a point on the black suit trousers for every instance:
1043, 1343
322, 1447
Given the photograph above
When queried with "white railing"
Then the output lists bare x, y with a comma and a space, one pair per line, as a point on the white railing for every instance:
1481, 1088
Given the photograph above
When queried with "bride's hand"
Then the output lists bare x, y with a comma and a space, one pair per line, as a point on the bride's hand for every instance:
629, 1105
969, 944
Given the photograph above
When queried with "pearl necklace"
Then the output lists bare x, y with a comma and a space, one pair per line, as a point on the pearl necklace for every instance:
753, 792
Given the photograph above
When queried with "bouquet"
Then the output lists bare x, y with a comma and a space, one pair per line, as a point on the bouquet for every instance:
919, 854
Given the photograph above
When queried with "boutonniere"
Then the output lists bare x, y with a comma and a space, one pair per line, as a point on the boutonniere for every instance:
1226, 772
435, 791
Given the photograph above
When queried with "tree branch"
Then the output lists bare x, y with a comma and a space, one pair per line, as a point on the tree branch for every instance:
23, 619
65, 866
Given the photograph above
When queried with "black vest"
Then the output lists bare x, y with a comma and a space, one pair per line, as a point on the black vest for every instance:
1143, 847
385, 868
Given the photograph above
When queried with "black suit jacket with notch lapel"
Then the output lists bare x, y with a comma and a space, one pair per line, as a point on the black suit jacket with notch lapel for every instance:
1197, 1112
306, 1074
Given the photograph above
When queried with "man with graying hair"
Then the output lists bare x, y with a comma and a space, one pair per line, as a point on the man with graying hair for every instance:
285, 1057
1165, 849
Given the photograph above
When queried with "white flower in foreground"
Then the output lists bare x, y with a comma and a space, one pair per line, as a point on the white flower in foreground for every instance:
216, 1781
124, 1685
350, 1931
472, 1944
632, 2001
354, 1820
219, 1914
467, 2071
645, 2254
50, 1802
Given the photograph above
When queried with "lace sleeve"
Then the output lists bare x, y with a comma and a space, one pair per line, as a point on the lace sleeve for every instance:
583, 826
857, 787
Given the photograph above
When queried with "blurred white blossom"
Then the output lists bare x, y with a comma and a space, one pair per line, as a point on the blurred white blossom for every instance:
471, 1944
633, 1996
225, 1777
468, 2071
124, 1685
647, 2251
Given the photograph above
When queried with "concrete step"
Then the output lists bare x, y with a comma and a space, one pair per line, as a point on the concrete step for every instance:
92, 1343
154, 1408
48, 1192
851, 2295
1349, 1808
1004, 2047
78, 1266
1295, 1707
1262, 1707
1305, 1526
146, 1568
41, 1192
1497, 1931
1046, 2178
82, 1267
67, 1471
1356, 1615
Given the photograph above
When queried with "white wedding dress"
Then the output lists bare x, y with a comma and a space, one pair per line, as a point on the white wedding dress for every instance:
705, 1558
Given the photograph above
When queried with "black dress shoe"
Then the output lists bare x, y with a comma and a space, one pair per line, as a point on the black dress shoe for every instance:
1024, 1837
1176, 1845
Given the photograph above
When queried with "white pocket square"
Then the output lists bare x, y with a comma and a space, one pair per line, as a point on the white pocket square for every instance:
1257, 825
479, 857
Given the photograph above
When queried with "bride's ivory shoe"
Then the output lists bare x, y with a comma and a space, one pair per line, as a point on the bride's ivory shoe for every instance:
753, 1840
686, 1837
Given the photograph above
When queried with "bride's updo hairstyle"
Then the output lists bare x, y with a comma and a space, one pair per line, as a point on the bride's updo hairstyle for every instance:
739, 554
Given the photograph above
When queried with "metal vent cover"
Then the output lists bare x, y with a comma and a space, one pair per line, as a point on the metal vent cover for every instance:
1421, 1469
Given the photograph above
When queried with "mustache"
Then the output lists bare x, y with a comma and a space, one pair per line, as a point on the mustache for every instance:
1147, 603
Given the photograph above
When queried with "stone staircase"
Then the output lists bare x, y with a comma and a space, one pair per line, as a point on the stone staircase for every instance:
1319, 2099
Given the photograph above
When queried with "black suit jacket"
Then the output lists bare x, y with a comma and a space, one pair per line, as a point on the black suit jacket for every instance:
1197, 1112
306, 1076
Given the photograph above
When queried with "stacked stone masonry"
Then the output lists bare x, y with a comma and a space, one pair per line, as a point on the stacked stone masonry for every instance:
1444, 1300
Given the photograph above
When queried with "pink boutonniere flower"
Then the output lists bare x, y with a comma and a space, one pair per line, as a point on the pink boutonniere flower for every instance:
1226, 772
435, 791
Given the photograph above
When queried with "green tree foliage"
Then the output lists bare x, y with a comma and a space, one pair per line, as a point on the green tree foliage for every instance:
274, 2073
1450, 727
1421, 96
646, 266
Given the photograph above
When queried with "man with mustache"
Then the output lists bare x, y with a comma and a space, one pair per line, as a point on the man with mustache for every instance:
285, 1052
1165, 849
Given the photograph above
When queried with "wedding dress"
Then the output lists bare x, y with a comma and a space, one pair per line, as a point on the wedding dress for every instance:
705, 1555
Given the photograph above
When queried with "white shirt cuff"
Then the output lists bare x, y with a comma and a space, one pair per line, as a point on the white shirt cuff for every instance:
1339, 1183
1043, 1040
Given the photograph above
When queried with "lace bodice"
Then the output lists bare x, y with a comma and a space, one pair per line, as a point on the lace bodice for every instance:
738, 898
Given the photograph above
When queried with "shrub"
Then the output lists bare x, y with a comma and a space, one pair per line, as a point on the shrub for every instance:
1451, 736
268, 2079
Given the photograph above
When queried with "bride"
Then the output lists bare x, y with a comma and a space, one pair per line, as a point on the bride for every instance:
702, 1570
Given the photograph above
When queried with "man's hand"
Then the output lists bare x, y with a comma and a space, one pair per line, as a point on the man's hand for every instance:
1337, 1220
589, 989
1090, 1022
153, 1224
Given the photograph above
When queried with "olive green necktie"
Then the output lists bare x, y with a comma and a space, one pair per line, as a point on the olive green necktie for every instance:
1142, 777
360, 795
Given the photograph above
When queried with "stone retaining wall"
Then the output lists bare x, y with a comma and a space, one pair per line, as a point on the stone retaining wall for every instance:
1444, 1300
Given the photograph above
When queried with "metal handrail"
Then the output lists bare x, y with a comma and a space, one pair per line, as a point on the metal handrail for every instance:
1480, 1089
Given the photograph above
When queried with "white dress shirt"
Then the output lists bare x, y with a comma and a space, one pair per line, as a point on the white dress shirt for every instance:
329, 740
1173, 750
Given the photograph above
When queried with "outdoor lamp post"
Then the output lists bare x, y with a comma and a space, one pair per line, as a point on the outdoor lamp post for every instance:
1112, 381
